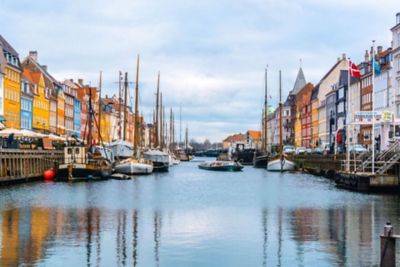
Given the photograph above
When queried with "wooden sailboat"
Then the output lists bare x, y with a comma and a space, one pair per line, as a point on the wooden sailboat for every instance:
85, 163
157, 156
261, 157
134, 165
281, 162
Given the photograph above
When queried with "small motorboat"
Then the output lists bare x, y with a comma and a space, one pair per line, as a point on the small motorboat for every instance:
280, 165
132, 167
221, 166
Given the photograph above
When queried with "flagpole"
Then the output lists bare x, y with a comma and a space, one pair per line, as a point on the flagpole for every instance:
348, 118
373, 107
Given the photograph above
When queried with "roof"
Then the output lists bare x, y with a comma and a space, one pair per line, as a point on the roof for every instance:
256, 135
235, 138
299, 83
315, 91
6, 46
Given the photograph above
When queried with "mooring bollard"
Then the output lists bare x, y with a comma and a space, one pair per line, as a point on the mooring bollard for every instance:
388, 247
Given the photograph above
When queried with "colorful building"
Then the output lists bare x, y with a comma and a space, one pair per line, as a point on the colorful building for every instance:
26, 102
315, 142
41, 106
68, 107
77, 116
303, 129
60, 110
11, 105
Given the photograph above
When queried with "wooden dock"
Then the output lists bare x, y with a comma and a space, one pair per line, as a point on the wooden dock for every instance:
18, 165
358, 178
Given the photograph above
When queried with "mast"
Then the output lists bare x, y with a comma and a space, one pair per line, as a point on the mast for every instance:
170, 129
136, 129
180, 123
265, 119
161, 123
280, 116
157, 107
100, 84
120, 105
186, 138
125, 101
90, 121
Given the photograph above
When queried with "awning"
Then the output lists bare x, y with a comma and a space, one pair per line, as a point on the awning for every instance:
2, 119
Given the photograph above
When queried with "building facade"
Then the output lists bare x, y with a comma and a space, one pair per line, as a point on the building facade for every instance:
26, 103
77, 116
11, 105
395, 77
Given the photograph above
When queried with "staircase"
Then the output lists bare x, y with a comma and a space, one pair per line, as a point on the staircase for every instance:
383, 161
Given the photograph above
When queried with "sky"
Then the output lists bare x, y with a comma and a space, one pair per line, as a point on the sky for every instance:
211, 54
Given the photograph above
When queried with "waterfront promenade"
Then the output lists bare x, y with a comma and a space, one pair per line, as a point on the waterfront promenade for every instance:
191, 217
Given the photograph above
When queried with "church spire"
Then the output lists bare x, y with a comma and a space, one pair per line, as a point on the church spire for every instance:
300, 80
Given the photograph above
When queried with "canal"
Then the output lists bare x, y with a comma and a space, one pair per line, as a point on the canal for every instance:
192, 217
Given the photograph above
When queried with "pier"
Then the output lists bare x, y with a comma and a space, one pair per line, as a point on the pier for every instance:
18, 165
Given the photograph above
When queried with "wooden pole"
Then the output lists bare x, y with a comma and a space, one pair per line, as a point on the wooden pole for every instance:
136, 129
100, 84
156, 143
125, 103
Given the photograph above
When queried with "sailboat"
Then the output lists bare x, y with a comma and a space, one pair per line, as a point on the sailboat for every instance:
261, 157
85, 163
135, 165
280, 163
157, 156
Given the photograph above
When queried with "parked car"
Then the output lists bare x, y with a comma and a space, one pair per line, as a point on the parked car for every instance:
357, 148
288, 150
300, 150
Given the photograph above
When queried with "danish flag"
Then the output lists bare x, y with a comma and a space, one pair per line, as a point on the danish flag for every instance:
353, 70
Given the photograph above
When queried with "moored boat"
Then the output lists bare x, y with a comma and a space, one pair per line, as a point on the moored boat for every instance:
159, 159
281, 164
221, 166
132, 167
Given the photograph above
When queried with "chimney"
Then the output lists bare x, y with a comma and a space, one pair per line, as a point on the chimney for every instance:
379, 48
34, 55
44, 67
80, 81
338, 59
72, 80
398, 18
344, 56
366, 56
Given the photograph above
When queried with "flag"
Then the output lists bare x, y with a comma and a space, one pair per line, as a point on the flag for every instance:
354, 71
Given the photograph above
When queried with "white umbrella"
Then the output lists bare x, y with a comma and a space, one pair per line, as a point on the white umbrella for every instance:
56, 137
7, 132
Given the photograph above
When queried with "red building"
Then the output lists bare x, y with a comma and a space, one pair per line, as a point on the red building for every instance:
304, 111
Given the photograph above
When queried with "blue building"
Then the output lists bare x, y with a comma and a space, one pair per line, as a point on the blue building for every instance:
77, 117
26, 104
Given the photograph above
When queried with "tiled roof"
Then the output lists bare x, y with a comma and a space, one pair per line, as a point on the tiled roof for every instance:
256, 135
235, 138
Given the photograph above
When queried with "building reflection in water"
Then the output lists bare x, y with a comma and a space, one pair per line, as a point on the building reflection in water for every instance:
135, 225
157, 236
121, 238
265, 235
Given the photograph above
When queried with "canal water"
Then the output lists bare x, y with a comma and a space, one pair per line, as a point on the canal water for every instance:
193, 217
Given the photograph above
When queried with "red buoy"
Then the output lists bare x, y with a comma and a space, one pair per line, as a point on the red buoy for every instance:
49, 175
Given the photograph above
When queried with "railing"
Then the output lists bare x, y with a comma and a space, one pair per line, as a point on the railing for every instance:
16, 164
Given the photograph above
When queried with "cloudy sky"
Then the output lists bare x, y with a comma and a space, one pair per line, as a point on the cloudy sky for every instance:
211, 54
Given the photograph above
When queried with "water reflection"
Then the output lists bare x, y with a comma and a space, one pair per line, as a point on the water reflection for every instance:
222, 222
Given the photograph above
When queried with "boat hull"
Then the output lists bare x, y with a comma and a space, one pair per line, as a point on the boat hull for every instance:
132, 168
261, 161
277, 165
220, 166
82, 172
160, 166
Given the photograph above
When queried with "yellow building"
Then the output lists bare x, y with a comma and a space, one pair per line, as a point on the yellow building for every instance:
11, 94
315, 142
41, 106
60, 112
297, 130
105, 127
9, 238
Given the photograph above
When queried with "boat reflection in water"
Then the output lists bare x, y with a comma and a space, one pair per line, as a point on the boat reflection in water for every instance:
191, 217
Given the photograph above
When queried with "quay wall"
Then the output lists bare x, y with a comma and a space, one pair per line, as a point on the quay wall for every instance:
18, 165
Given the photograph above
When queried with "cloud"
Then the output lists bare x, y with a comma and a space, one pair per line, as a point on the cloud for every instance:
211, 54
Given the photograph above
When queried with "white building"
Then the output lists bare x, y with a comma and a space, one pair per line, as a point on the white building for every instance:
396, 71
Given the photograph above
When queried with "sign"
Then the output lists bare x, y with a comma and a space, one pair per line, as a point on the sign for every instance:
387, 116
366, 116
